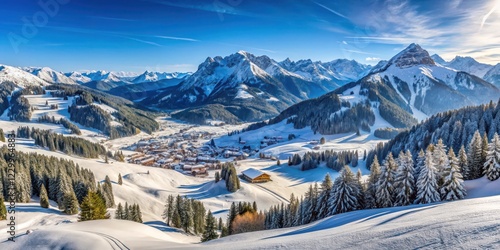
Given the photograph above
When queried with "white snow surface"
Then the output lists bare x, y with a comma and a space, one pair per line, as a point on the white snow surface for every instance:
19, 77
403, 227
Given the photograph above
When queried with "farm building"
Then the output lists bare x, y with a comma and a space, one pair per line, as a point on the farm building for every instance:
255, 176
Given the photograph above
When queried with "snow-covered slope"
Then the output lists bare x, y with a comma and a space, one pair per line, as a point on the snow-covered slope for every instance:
150, 76
216, 88
466, 224
469, 65
340, 71
493, 75
429, 87
19, 77
49, 75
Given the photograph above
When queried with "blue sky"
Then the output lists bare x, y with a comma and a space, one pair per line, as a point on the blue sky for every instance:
168, 35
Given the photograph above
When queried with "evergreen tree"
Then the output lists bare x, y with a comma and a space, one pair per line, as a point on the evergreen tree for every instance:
427, 186
119, 213
93, 207
107, 192
210, 228
344, 193
126, 212
120, 181
187, 216
137, 215
322, 140
324, 196
362, 190
176, 219
484, 151
384, 195
217, 176
2, 135
371, 191
405, 186
440, 159
220, 225
463, 162
419, 164
3, 209
278, 162
453, 183
70, 202
44, 199
169, 209
492, 164
224, 232
475, 163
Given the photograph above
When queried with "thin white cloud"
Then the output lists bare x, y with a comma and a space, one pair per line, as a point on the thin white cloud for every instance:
372, 59
143, 41
332, 11
178, 38
357, 51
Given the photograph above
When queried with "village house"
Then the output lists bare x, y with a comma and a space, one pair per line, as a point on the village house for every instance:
255, 176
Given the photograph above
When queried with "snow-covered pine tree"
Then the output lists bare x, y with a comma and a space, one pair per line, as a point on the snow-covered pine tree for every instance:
70, 202
300, 213
385, 195
107, 192
324, 196
427, 186
119, 213
308, 202
405, 186
138, 213
463, 162
484, 151
345, 192
419, 164
187, 216
44, 199
474, 157
371, 201
126, 212
453, 182
440, 159
120, 181
362, 190
492, 164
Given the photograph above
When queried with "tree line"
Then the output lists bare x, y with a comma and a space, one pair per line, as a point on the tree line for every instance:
67, 144
130, 212
67, 124
129, 114
35, 172
334, 160
456, 128
228, 173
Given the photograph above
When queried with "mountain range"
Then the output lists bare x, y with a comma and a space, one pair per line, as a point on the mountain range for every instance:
244, 87
409, 87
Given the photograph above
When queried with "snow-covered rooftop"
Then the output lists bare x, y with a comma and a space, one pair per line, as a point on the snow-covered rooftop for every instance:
252, 173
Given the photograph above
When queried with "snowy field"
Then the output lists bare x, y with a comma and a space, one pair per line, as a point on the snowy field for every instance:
465, 224
56, 230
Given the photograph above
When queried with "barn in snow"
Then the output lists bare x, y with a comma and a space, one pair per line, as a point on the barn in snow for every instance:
255, 176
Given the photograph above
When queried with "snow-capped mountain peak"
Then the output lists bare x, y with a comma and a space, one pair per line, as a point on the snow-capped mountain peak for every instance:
151, 76
411, 56
19, 77
469, 65
438, 59
49, 75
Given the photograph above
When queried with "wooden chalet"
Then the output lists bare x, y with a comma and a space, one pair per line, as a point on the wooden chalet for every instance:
255, 176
